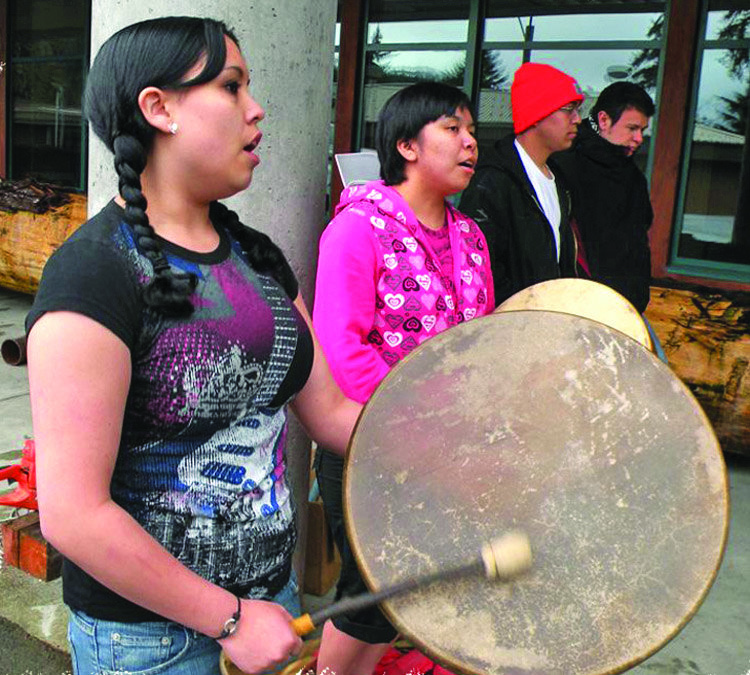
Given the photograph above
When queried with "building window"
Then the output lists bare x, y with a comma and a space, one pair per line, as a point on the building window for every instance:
407, 43
48, 58
712, 232
479, 44
595, 42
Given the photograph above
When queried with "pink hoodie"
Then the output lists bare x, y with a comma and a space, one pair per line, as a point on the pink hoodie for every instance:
380, 291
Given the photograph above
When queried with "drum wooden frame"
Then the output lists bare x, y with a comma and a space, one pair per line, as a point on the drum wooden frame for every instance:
564, 428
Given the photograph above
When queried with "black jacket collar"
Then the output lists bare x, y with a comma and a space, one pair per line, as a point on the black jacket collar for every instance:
598, 149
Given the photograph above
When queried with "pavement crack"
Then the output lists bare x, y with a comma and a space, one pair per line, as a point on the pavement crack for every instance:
14, 397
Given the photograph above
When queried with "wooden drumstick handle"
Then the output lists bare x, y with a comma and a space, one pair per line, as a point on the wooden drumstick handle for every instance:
503, 558
303, 625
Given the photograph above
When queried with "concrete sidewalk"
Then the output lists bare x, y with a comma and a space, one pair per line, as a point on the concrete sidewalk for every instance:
715, 642
33, 620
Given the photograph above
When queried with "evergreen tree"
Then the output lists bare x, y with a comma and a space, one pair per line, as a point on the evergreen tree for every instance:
454, 75
494, 73
735, 115
376, 60
644, 68
736, 26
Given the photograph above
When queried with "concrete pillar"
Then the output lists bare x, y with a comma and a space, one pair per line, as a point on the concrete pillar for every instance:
288, 46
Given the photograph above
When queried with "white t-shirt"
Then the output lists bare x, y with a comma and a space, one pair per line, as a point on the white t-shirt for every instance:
546, 192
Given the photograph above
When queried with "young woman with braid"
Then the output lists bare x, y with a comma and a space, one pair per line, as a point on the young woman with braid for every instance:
165, 343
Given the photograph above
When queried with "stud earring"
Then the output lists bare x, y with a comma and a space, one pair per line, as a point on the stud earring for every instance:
173, 128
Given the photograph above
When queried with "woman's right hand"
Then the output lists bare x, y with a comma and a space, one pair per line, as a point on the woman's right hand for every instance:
264, 638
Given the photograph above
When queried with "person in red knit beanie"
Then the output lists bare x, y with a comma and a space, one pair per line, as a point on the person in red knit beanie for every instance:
514, 197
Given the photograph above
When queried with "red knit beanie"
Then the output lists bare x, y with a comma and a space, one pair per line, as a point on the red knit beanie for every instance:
537, 91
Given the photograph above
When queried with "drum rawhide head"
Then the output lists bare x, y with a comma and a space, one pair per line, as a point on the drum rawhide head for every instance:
567, 430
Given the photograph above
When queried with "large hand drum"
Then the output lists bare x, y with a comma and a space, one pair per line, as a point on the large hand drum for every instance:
585, 298
570, 431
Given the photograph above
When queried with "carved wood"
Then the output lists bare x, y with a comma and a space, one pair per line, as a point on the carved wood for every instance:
706, 338
28, 239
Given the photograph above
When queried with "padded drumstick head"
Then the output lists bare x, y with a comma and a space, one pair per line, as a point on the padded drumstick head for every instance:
507, 556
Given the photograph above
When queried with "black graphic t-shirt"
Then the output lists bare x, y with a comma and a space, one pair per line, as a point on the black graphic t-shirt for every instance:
201, 463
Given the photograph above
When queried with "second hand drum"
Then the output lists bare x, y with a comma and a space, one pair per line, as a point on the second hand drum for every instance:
563, 428
585, 298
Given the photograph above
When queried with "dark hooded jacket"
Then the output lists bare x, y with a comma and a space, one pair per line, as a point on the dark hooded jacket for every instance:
612, 209
502, 201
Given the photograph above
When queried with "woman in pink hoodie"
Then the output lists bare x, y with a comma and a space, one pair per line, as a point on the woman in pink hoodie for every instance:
397, 265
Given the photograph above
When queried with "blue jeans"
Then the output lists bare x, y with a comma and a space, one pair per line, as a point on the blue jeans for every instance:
99, 647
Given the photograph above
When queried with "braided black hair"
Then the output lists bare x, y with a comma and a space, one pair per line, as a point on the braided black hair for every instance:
263, 255
168, 291
159, 52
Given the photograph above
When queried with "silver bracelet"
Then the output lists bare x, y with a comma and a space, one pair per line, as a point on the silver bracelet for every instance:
230, 625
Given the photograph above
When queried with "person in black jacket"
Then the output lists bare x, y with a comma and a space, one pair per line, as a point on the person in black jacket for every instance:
611, 204
514, 197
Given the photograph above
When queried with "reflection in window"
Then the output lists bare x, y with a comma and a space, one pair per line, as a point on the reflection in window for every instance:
574, 27
714, 219
388, 72
632, 51
593, 68
410, 42
507, 29
734, 24
511, 35
493, 111
443, 66
577, 27
47, 65
417, 31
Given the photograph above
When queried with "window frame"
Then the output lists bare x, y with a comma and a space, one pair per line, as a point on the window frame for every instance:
467, 46
475, 46
693, 267
672, 97
6, 89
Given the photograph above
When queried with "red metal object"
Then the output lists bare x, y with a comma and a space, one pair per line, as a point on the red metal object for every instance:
24, 473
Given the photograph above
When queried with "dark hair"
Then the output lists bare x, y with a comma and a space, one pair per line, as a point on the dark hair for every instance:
159, 52
619, 97
405, 114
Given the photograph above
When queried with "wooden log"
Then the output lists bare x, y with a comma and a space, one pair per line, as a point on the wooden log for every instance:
706, 338
26, 548
28, 239
12, 536
36, 556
